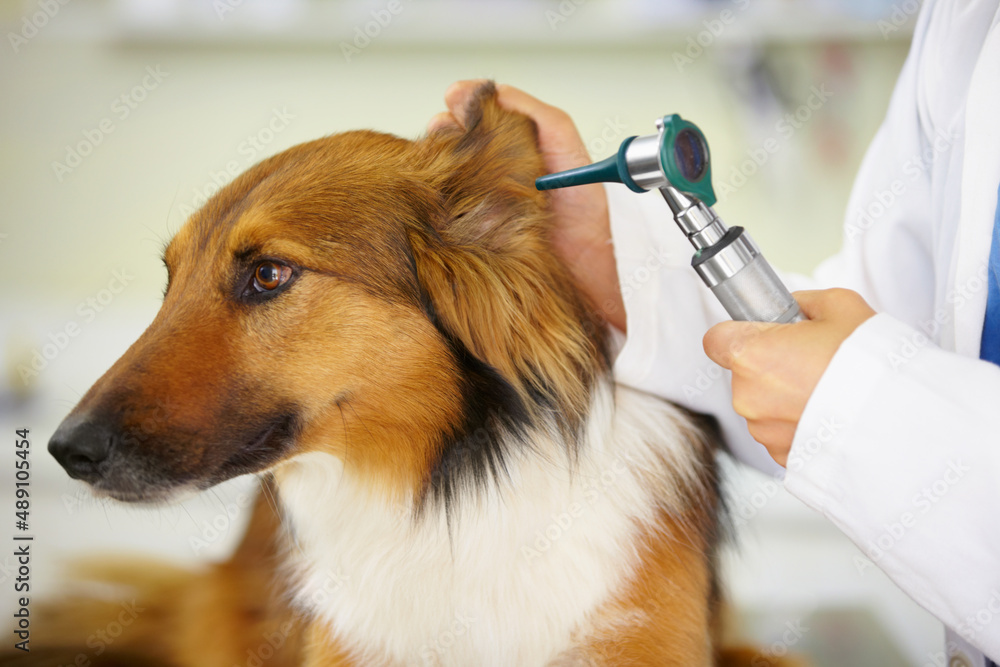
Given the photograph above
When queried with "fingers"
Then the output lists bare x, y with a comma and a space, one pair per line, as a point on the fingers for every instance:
833, 304
813, 303
458, 94
558, 137
442, 121
725, 341
776, 367
776, 435
457, 97
514, 99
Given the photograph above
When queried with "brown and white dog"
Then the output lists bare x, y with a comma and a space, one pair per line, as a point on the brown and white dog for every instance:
381, 328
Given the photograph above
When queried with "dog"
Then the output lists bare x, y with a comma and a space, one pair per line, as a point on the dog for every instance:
380, 330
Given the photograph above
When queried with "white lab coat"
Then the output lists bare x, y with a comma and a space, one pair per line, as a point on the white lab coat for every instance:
898, 445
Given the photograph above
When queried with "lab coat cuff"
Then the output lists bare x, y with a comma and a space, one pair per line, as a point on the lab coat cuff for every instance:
822, 447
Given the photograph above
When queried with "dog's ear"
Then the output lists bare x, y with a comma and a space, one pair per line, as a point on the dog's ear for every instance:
485, 173
493, 283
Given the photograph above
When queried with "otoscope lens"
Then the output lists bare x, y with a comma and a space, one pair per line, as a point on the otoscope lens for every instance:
691, 154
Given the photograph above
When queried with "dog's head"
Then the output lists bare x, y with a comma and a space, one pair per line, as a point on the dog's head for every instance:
394, 303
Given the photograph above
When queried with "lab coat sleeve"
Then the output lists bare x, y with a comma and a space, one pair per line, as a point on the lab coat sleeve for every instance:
897, 446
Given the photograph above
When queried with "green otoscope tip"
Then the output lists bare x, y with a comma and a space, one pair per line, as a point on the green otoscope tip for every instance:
610, 170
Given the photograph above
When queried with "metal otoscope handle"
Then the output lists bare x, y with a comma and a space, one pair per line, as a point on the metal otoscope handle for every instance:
744, 282
731, 264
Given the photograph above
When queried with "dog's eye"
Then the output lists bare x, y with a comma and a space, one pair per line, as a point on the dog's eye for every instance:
270, 276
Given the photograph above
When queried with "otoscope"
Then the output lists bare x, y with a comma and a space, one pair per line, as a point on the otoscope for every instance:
676, 161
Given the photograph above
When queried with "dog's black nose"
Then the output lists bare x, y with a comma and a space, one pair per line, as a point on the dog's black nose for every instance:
80, 445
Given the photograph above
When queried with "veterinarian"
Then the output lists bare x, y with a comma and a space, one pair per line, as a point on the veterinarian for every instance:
883, 408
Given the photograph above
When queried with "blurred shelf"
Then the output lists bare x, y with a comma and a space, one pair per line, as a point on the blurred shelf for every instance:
463, 23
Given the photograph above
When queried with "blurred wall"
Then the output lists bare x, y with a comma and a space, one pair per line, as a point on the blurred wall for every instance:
119, 118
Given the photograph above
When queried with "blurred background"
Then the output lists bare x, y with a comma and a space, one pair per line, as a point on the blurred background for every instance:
120, 117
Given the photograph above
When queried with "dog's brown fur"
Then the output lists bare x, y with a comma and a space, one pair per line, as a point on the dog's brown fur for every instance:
423, 275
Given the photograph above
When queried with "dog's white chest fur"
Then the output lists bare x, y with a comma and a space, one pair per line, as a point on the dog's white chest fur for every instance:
524, 565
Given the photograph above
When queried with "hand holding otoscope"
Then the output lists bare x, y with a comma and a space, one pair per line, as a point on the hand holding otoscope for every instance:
676, 161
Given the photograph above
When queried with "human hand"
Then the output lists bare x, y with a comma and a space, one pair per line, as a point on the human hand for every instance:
582, 231
776, 367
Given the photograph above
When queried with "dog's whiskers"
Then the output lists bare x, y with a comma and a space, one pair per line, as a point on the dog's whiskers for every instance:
269, 498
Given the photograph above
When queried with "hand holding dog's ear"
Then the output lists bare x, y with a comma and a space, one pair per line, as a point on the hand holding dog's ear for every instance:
582, 232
